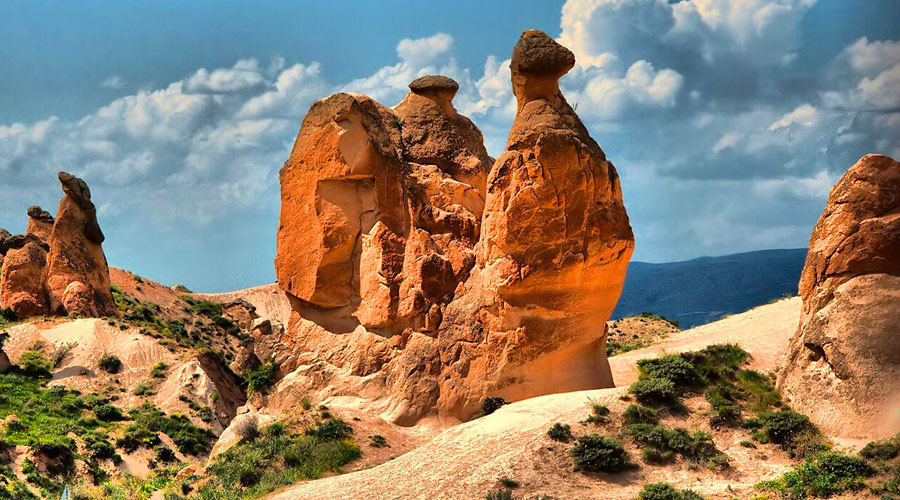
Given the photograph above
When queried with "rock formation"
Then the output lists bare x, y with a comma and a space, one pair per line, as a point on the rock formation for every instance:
40, 222
24, 275
844, 364
58, 266
77, 272
424, 276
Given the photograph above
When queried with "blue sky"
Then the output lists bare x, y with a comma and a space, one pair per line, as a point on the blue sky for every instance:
728, 120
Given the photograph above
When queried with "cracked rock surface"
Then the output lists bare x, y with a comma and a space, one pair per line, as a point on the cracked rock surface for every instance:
843, 368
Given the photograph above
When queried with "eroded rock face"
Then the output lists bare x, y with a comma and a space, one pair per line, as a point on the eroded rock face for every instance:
844, 364
423, 275
40, 222
23, 276
77, 272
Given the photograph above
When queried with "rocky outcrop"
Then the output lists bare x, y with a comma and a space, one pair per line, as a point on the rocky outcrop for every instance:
77, 272
58, 266
424, 276
844, 363
40, 222
23, 276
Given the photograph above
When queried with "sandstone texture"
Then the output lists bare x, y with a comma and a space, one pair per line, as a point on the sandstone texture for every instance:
77, 272
843, 368
58, 266
423, 275
40, 222
23, 276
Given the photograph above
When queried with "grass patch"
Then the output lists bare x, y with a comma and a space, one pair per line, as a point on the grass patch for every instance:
697, 447
253, 469
149, 421
828, 474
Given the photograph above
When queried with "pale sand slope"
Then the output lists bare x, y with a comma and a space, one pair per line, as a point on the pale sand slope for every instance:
464, 462
270, 301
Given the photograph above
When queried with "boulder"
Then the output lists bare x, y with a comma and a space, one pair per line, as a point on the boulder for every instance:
40, 222
843, 367
423, 275
23, 276
77, 272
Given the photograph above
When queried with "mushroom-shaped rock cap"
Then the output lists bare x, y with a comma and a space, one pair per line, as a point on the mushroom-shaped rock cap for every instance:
36, 212
438, 85
75, 187
538, 54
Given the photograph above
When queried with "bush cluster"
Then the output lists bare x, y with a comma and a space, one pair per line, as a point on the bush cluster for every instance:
596, 453
665, 491
828, 474
110, 363
263, 377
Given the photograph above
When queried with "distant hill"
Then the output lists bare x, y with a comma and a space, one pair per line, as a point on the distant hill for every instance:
701, 290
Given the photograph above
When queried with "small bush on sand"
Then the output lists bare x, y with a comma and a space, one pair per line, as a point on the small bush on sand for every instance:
654, 391
560, 432
490, 405
596, 453
881, 450
665, 491
110, 363
640, 414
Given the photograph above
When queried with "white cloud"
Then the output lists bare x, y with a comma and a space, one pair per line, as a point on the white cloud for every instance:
244, 75
871, 58
422, 52
804, 115
114, 82
883, 91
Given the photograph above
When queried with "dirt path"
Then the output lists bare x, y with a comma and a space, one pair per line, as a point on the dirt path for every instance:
465, 462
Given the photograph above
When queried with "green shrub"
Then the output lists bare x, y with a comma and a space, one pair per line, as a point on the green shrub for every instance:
508, 483
110, 363
672, 367
655, 456
34, 364
378, 441
332, 429
599, 413
560, 432
596, 453
490, 405
656, 391
792, 431
108, 413
165, 455
262, 377
159, 370
828, 474
640, 414
697, 447
149, 421
881, 450
254, 469
7, 315
665, 491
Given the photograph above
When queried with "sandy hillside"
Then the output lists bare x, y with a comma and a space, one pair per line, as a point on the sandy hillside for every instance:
466, 461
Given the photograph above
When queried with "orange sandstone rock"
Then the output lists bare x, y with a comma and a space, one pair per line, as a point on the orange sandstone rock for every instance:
77, 272
40, 222
23, 276
844, 364
422, 277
